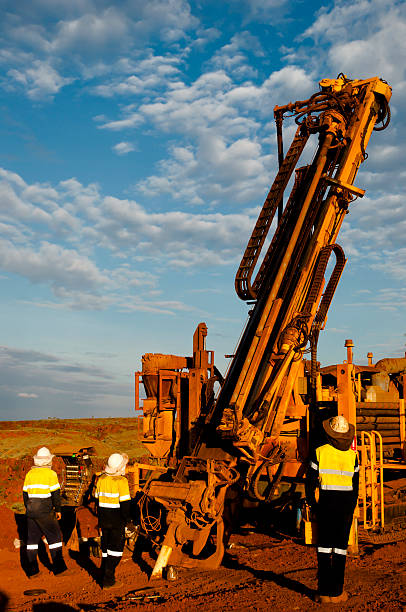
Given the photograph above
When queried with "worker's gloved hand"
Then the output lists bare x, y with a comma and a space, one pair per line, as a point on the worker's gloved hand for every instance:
58, 516
131, 530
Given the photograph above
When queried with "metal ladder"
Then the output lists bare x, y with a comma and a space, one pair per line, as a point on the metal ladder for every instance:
73, 483
371, 480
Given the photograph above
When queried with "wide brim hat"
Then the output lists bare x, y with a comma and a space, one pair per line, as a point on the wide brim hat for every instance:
43, 457
118, 469
346, 435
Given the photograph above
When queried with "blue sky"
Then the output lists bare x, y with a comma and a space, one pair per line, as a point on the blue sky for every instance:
138, 145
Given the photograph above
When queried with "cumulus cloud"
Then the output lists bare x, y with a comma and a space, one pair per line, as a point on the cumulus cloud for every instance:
365, 38
85, 40
51, 263
229, 158
118, 232
146, 75
122, 148
233, 57
39, 80
212, 173
92, 31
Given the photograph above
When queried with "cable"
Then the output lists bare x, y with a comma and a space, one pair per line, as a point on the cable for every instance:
148, 522
384, 115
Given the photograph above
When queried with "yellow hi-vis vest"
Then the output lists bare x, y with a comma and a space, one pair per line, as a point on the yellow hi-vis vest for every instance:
111, 490
40, 482
336, 468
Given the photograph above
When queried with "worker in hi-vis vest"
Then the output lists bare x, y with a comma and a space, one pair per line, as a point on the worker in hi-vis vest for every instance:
334, 471
42, 500
113, 502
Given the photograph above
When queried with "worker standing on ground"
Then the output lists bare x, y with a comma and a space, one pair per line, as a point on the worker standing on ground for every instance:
113, 498
42, 500
334, 471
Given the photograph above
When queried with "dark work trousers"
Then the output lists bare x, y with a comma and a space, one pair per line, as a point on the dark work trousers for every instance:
334, 517
112, 545
46, 525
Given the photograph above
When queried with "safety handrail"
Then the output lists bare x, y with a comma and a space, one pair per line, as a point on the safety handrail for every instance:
371, 468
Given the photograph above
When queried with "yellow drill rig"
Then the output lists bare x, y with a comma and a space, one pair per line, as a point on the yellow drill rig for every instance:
215, 442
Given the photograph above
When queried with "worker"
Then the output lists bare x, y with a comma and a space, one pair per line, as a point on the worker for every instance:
113, 500
42, 500
334, 471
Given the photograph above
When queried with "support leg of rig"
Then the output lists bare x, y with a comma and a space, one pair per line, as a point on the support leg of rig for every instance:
162, 561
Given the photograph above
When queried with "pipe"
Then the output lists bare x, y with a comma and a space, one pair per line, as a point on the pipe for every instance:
377, 420
379, 427
378, 413
379, 405
349, 345
395, 441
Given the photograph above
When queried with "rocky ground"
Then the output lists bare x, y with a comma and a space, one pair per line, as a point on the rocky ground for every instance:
260, 572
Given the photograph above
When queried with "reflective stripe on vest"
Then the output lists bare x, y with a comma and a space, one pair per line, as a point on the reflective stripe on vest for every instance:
111, 490
336, 468
40, 482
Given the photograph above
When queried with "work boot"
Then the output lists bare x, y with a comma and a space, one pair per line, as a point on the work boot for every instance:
109, 577
59, 567
58, 563
33, 570
115, 585
322, 598
34, 576
340, 598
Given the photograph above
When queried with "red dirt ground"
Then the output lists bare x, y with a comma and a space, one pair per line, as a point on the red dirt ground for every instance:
260, 572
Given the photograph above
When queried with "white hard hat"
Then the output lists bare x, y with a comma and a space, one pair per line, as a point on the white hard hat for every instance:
116, 464
339, 424
43, 457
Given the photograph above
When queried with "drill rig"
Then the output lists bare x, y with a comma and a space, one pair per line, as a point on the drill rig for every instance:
211, 447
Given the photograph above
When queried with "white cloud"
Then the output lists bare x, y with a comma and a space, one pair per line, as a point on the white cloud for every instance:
132, 121
146, 75
40, 79
122, 148
213, 173
50, 263
120, 233
170, 18
261, 9
92, 31
87, 41
27, 395
365, 38
227, 160
386, 299
233, 58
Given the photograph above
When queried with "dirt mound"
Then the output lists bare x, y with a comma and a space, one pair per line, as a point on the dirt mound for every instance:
9, 530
